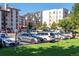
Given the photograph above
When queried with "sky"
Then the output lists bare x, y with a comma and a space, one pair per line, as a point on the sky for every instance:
33, 7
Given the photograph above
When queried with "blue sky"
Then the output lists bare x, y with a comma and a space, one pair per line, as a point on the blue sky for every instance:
32, 7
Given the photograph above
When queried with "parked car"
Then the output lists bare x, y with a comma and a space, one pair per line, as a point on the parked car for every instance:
51, 36
69, 35
47, 36
59, 35
6, 41
38, 38
27, 37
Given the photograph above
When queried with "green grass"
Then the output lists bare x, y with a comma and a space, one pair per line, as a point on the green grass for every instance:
63, 48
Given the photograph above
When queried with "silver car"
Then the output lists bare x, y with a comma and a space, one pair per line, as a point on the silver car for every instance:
69, 35
29, 38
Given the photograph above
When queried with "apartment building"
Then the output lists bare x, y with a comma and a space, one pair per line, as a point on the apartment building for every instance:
28, 19
8, 19
33, 18
21, 22
46, 16
53, 15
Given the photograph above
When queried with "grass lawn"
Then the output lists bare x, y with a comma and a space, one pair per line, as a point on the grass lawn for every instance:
63, 48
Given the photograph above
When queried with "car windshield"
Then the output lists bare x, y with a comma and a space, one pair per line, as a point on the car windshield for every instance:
34, 36
51, 34
56, 33
25, 34
42, 34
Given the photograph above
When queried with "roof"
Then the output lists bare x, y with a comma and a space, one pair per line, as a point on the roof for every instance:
2, 9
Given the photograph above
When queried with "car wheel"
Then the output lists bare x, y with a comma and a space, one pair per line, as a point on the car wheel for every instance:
45, 40
41, 40
53, 41
17, 42
33, 41
1, 44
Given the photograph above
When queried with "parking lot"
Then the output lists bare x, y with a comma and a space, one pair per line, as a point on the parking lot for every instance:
32, 37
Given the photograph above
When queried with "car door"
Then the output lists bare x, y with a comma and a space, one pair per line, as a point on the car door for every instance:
26, 38
23, 37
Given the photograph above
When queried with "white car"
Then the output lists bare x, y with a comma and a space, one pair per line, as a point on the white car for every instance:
47, 36
6, 41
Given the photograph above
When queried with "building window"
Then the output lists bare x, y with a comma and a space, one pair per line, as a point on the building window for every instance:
49, 20
60, 12
49, 12
54, 12
49, 16
59, 16
65, 12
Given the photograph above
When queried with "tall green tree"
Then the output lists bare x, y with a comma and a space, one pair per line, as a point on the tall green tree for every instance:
75, 11
72, 22
54, 26
67, 24
30, 25
39, 25
44, 26
75, 15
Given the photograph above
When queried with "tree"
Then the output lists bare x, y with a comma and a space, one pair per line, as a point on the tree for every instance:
54, 26
41, 26
75, 10
44, 26
72, 22
30, 25
75, 15
38, 26
67, 24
